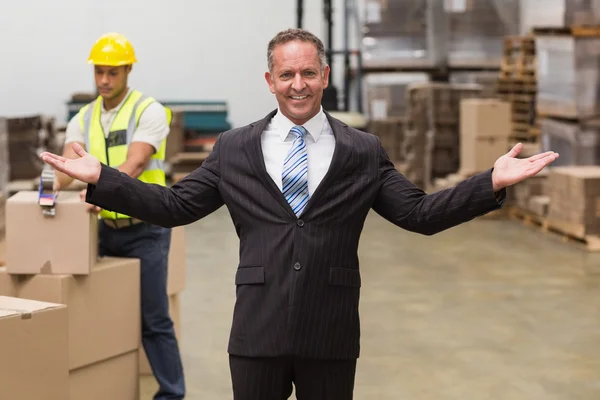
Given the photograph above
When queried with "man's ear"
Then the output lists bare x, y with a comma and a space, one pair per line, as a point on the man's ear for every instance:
269, 79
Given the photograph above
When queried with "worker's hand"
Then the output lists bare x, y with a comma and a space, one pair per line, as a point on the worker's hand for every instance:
86, 167
90, 207
509, 170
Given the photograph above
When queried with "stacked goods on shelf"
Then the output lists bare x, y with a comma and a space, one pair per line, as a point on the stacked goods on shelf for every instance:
385, 93
563, 13
568, 74
574, 192
396, 32
431, 33
484, 131
431, 137
476, 29
391, 134
24, 142
488, 80
517, 85
577, 142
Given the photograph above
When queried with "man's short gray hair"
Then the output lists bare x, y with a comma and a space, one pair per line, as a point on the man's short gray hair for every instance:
290, 35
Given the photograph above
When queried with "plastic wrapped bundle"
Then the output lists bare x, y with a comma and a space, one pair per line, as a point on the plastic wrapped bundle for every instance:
477, 29
568, 74
395, 32
561, 13
577, 144
386, 93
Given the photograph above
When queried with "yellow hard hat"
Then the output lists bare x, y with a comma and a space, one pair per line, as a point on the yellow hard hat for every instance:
112, 49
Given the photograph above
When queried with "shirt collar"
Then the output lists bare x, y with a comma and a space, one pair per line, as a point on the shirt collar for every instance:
314, 126
118, 107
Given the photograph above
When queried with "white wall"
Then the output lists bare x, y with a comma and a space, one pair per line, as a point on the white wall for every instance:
193, 50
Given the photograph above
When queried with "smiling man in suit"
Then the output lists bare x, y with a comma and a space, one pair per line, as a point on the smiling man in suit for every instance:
298, 185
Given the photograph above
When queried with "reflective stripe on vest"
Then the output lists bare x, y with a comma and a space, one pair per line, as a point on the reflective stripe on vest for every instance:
112, 148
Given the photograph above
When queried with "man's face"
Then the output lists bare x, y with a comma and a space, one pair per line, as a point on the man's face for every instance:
297, 80
111, 81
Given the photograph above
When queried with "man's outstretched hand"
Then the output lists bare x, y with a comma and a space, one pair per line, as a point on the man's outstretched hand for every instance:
85, 168
509, 170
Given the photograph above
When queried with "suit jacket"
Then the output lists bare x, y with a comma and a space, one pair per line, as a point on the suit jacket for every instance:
298, 280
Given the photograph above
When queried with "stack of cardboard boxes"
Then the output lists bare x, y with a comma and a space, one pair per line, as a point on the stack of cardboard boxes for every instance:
485, 127
574, 194
53, 259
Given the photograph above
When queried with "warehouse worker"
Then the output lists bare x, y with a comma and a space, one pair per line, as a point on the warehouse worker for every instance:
127, 130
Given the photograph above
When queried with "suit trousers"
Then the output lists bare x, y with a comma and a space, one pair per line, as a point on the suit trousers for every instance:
271, 378
151, 243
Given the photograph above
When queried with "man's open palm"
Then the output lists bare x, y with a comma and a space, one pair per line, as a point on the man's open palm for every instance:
509, 170
85, 168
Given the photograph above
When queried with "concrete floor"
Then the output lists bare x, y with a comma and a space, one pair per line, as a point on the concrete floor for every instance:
489, 310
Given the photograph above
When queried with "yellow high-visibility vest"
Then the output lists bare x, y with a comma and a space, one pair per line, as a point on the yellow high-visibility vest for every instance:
112, 150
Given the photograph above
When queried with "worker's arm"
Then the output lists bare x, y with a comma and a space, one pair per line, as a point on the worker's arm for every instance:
192, 198
138, 156
152, 129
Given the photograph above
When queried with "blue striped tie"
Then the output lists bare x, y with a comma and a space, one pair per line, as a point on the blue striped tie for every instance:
295, 172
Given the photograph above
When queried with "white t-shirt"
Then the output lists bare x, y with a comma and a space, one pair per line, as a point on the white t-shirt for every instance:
152, 127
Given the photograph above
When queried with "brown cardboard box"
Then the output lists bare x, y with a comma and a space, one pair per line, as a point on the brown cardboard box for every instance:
480, 154
177, 267
8, 283
574, 193
114, 379
64, 244
2, 252
103, 307
484, 118
175, 311
34, 362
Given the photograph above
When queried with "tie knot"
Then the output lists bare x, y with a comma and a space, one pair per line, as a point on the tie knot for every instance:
298, 131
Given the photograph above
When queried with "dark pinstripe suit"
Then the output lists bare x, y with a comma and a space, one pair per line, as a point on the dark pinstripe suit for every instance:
298, 280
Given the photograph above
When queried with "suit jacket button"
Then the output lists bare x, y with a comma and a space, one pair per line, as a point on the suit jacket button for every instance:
300, 222
297, 266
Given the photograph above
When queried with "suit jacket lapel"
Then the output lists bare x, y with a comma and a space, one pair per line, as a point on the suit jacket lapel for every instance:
343, 149
253, 148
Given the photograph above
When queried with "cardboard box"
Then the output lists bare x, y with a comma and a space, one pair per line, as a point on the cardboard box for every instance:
31, 237
574, 193
177, 264
103, 307
479, 154
2, 252
175, 311
485, 118
8, 283
114, 379
34, 362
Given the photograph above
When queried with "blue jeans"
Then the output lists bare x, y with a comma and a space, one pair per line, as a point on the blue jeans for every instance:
151, 243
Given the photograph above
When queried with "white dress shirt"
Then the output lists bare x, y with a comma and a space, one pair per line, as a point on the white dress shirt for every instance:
320, 143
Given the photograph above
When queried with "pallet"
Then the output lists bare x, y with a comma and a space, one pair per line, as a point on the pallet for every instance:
576, 31
555, 229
